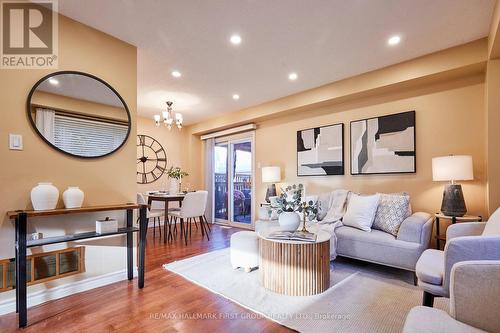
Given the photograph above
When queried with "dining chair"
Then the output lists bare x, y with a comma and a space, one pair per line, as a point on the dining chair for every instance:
156, 211
193, 207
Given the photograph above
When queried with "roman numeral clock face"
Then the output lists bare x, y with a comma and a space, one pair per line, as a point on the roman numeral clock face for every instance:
151, 160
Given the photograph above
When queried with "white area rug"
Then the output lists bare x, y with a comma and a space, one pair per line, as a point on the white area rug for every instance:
362, 297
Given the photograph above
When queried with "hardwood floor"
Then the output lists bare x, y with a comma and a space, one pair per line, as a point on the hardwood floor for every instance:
168, 302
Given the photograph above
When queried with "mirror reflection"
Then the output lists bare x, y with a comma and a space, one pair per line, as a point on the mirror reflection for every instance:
79, 114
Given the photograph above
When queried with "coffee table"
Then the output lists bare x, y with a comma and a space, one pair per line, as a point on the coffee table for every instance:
294, 268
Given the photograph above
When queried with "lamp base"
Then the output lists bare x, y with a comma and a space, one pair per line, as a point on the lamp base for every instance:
271, 192
453, 201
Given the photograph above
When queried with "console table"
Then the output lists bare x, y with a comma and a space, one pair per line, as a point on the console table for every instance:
21, 219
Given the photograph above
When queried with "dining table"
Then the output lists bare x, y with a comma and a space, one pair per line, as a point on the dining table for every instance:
166, 198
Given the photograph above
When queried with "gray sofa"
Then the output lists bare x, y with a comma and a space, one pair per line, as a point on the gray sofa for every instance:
380, 247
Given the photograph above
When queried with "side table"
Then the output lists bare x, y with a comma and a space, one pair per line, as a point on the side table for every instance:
454, 219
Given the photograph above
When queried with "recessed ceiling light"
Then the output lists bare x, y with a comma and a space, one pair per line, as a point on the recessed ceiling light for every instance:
292, 76
53, 81
394, 40
236, 96
235, 39
176, 74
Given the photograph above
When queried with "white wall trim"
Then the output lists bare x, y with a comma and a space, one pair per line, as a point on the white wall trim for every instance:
42, 296
229, 131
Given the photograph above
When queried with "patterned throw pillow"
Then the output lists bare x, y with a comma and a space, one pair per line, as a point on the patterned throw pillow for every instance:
392, 210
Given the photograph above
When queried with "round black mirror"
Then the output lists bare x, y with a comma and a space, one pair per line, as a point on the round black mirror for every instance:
79, 114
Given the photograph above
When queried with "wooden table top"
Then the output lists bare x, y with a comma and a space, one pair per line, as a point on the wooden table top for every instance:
65, 211
464, 218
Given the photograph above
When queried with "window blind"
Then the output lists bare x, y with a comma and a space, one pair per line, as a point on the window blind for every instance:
87, 137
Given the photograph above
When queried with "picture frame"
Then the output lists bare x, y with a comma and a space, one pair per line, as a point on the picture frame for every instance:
384, 144
320, 151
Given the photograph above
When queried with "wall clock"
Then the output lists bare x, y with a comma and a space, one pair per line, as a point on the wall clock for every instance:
151, 159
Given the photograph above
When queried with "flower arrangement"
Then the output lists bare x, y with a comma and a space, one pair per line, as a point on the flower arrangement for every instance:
176, 173
290, 199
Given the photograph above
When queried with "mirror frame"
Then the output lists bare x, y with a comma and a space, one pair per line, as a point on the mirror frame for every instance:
33, 125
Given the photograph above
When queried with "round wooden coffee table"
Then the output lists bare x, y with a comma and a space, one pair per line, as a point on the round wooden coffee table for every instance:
294, 268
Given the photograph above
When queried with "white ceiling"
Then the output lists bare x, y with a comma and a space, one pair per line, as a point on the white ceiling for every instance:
322, 40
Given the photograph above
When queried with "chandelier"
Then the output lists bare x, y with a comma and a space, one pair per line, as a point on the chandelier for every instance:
168, 117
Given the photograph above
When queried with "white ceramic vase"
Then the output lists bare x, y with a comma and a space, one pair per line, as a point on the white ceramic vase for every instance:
44, 196
174, 186
289, 221
73, 197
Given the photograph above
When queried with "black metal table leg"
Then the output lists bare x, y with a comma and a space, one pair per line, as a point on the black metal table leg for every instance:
437, 234
21, 269
130, 240
142, 243
15, 262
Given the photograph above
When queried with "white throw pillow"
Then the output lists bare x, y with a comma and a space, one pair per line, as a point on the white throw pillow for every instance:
492, 227
361, 211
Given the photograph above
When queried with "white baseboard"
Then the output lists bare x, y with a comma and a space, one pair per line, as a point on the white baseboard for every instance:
42, 296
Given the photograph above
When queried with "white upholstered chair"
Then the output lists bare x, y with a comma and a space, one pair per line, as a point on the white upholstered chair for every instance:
156, 211
474, 302
465, 241
193, 207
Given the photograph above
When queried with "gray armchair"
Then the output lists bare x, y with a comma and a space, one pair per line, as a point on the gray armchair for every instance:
474, 302
465, 241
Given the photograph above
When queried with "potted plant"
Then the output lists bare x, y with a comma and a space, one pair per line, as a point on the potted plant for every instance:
175, 175
288, 204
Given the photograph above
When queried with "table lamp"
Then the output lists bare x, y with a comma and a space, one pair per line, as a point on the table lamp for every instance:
271, 175
452, 168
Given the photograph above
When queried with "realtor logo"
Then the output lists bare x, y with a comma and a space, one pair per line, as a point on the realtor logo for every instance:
29, 34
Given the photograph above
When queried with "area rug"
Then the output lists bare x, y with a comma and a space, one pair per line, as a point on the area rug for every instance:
362, 297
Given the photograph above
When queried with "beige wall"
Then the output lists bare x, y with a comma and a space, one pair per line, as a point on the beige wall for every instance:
450, 119
105, 180
492, 97
175, 142
447, 91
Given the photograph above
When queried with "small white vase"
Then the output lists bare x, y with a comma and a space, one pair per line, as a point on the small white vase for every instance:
73, 197
44, 196
289, 221
174, 186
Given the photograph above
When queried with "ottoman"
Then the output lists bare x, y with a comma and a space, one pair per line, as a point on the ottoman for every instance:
245, 250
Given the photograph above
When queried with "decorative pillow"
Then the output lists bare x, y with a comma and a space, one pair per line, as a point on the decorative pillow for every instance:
492, 227
323, 201
361, 211
268, 214
392, 210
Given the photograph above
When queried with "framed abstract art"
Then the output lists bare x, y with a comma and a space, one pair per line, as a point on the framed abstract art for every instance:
320, 151
383, 145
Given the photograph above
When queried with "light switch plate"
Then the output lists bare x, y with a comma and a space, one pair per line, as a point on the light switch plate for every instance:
15, 142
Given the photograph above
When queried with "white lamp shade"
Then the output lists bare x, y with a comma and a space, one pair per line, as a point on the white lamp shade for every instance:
271, 174
453, 167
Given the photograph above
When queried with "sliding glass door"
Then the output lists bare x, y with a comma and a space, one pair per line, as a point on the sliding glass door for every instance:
233, 181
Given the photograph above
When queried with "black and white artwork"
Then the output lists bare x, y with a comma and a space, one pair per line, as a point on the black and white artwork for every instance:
383, 144
320, 151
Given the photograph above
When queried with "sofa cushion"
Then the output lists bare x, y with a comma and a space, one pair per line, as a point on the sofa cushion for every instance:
430, 267
392, 210
361, 211
492, 227
377, 246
